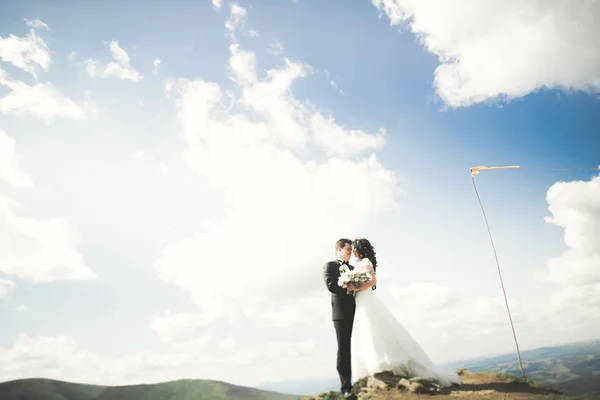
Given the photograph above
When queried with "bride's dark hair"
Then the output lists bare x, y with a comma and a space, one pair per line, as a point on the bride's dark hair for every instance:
365, 250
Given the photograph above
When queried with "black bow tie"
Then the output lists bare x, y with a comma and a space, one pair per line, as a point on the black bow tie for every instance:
344, 262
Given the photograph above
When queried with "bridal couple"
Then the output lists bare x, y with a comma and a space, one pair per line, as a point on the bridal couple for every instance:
369, 338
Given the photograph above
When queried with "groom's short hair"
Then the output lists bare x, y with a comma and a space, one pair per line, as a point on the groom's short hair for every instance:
342, 243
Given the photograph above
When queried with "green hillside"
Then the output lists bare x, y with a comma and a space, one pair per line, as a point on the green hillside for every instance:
187, 389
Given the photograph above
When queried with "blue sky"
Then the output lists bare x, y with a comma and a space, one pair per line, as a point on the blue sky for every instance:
139, 200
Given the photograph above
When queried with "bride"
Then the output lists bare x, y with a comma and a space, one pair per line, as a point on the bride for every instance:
379, 342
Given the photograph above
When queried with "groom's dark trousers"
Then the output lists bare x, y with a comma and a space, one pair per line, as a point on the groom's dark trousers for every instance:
343, 307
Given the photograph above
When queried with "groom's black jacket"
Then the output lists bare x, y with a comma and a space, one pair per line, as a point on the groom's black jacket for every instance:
342, 304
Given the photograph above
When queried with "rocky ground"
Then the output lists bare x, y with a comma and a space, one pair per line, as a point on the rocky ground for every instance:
476, 386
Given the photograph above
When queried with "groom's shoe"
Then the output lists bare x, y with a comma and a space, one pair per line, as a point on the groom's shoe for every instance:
348, 396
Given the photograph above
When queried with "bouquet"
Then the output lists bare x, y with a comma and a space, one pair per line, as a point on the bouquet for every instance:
356, 278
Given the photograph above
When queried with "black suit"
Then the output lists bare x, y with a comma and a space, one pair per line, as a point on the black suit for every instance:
343, 307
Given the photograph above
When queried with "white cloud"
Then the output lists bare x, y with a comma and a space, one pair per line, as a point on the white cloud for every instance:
29, 53
573, 304
5, 286
253, 32
285, 200
60, 357
227, 343
275, 48
575, 206
141, 155
504, 48
424, 296
21, 308
242, 64
236, 19
10, 166
36, 24
198, 330
181, 327
336, 140
168, 85
573, 268
120, 68
39, 250
432, 310
156, 63
50, 357
293, 314
332, 83
42, 100
438, 315
217, 4
290, 350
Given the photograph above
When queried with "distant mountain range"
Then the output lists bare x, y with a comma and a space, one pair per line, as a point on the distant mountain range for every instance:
185, 389
574, 368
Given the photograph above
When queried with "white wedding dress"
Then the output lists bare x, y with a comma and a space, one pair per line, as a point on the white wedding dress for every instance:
380, 343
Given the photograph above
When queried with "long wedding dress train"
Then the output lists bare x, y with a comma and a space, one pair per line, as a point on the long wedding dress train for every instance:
380, 343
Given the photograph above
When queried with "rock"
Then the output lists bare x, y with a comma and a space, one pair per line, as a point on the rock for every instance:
463, 371
418, 385
387, 380
375, 383
417, 388
431, 386
478, 386
403, 384
363, 396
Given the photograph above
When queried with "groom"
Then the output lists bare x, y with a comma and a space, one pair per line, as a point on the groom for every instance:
343, 307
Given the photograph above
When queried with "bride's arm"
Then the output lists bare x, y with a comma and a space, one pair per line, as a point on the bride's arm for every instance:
373, 280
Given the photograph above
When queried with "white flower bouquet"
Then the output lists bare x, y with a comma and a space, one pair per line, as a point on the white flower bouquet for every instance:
356, 278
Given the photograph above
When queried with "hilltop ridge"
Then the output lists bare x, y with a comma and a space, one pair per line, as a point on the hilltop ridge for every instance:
476, 386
